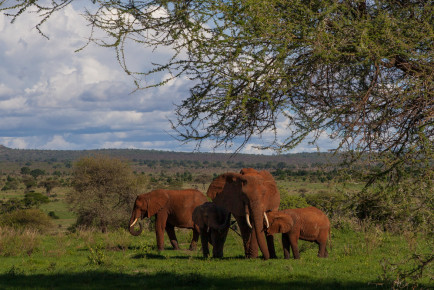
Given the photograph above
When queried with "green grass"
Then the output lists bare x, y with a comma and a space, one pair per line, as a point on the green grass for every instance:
118, 260
296, 187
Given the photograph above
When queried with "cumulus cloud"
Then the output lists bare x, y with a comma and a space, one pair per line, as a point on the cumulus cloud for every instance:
52, 97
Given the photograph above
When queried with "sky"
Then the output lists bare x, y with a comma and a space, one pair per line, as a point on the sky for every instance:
52, 97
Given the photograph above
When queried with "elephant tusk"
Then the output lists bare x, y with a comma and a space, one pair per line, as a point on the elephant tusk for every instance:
248, 221
134, 222
266, 220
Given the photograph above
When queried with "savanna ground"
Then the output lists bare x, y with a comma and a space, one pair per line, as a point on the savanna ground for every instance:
362, 257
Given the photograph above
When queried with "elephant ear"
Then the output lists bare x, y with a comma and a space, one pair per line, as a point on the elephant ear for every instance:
225, 191
197, 217
157, 201
285, 223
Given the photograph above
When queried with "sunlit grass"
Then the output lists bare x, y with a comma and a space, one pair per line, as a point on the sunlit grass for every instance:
93, 260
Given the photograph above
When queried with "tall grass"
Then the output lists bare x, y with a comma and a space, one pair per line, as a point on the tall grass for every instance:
18, 242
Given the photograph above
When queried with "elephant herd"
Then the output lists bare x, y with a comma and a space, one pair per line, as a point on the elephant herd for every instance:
251, 197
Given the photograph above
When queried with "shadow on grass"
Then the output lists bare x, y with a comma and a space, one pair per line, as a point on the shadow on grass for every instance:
161, 280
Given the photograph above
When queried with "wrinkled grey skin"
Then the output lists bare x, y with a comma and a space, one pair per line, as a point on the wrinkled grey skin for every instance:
212, 222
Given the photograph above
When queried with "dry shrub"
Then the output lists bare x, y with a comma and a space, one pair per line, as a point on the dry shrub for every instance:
374, 236
85, 234
16, 242
34, 219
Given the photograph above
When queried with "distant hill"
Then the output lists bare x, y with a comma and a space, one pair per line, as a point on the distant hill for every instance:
144, 158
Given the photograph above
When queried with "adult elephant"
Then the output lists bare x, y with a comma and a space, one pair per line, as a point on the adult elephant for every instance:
248, 195
172, 208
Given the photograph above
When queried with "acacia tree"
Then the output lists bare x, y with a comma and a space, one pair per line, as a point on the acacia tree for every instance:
104, 190
357, 71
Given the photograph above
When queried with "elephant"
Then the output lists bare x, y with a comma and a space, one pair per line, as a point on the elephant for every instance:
248, 195
172, 208
212, 222
308, 224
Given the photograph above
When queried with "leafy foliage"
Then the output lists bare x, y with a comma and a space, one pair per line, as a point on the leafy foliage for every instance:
292, 201
104, 191
34, 219
30, 200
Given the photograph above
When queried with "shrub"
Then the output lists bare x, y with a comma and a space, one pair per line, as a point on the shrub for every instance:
396, 209
53, 215
292, 201
32, 199
330, 203
27, 218
104, 190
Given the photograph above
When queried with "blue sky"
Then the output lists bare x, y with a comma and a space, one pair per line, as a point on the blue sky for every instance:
52, 97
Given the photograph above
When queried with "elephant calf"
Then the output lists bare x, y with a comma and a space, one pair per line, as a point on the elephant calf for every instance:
308, 224
212, 221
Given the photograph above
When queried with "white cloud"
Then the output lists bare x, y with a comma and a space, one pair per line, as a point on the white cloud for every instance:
13, 104
58, 142
52, 97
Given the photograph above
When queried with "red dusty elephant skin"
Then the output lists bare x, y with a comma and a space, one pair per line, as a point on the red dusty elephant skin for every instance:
172, 208
308, 224
248, 195
213, 223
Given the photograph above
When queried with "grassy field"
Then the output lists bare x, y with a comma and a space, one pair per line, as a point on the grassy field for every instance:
362, 257
117, 260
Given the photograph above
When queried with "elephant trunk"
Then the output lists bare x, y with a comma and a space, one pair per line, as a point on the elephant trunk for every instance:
258, 220
225, 224
133, 221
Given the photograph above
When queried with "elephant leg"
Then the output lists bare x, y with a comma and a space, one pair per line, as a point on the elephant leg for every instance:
160, 225
193, 244
322, 242
250, 242
293, 240
271, 249
246, 234
204, 241
170, 230
285, 244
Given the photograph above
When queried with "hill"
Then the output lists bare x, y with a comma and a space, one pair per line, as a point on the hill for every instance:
153, 159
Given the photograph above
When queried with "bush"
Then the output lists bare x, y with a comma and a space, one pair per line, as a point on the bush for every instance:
292, 201
34, 199
331, 204
27, 218
53, 215
103, 193
396, 208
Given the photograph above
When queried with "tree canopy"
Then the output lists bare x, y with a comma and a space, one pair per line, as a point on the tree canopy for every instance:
104, 191
359, 72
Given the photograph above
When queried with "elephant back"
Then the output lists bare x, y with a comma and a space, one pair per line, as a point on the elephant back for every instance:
225, 191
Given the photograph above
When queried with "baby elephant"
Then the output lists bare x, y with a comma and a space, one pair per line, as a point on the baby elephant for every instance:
308, 224
212, 222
